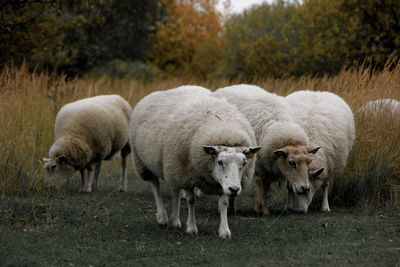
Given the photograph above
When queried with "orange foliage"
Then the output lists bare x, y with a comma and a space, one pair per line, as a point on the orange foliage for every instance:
188, 27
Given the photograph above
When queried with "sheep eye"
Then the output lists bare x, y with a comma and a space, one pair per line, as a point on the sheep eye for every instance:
292, 163
52, 168
220, 162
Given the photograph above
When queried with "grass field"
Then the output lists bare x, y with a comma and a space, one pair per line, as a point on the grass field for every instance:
107, 228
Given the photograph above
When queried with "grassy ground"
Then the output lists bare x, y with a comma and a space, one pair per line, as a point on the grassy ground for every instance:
109, 228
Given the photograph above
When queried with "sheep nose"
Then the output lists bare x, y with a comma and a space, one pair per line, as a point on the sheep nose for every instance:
305, 189
234, 189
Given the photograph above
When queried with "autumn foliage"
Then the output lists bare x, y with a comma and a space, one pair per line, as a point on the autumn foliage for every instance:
186, 34
192, 38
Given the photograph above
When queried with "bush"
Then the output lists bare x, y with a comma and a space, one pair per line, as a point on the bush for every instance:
127, 70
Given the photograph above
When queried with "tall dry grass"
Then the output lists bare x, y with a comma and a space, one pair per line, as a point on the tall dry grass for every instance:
29, 103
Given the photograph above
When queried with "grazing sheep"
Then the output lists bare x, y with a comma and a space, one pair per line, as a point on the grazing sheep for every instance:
285, 146
192, 140
86, 132
328, 121
386, 105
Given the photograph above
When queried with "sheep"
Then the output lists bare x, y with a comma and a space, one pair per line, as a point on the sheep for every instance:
192, 140
86, 132
284, 155
387, 105
329, 121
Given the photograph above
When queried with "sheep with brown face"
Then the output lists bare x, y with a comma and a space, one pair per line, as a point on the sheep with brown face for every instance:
327, 120
86, 132
286, 149
194, 142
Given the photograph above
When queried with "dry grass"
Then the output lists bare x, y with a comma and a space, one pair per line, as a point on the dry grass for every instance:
29, 103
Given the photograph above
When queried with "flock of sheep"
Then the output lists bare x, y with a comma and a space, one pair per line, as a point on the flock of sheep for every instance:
200, 141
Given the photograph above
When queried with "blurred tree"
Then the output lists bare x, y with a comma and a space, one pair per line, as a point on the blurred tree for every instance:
73, 36
187, 36
312, 37
376, 29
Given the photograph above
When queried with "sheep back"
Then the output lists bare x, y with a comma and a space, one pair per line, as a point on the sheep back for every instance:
91, 129
329, 122
271, 119
170, 128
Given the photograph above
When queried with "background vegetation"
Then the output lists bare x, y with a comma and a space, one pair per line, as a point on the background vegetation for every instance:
190, 37
29, 103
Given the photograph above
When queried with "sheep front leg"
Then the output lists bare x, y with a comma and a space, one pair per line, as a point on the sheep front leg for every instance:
175, 209
162, 217
97, 169
289, 199
223, 203
261, 207
123, 182
325, 202
191, 227
83, 180
90, 179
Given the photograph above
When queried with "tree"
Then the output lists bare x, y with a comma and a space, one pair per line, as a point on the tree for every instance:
189, 32
73, 36
314, 37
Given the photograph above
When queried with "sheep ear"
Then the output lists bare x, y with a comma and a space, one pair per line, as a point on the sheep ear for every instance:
45, 160
212, 150
61, 159
251, 151
315, 173
312, 149
281, 152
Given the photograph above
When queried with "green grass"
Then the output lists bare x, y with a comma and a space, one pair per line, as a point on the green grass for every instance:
110, 228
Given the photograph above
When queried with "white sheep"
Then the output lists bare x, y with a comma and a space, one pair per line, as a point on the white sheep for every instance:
386, 105
328, 121
192, 140
86, 132
284, 155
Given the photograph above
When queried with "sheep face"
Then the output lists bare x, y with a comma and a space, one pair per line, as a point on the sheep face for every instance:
57, 171
301, 202
293, 162
228, 166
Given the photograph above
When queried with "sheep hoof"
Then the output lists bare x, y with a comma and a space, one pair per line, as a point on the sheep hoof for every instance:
192, 231
224, 234
86, 191
325, 209
262, 213
176, 224
162, 220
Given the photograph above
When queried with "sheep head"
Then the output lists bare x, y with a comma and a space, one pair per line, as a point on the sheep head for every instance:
57, 171
293, 162
228, 165
301, 202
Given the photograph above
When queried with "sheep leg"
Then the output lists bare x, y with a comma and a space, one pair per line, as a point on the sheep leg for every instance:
223, 203
162, 217
232, 207
325, 202
83, 180
289, 199
261, 187
97, 169
89, 181
123, 182
191, 227
175, 209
